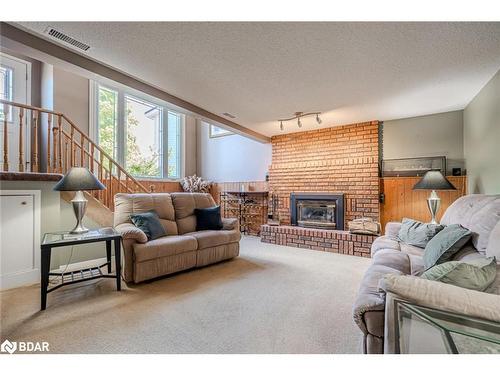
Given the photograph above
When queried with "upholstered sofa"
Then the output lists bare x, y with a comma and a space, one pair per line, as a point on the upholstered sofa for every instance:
390, 256
183, 247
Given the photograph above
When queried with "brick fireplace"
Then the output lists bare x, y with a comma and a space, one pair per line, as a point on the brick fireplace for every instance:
341, 162
342, 159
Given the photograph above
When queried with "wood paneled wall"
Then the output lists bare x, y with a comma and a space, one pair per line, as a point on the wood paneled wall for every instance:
162, 186
401, 201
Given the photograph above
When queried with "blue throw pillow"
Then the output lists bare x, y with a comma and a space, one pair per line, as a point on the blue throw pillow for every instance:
445, 244
149, 223
208, 218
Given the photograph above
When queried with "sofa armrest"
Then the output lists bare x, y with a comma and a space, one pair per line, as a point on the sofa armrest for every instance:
392, 229
131, 232
230, 223
441, 296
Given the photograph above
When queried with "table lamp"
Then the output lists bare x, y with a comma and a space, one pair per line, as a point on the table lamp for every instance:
79, 179
433, 180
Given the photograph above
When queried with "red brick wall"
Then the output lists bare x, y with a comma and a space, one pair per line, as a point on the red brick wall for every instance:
342, 159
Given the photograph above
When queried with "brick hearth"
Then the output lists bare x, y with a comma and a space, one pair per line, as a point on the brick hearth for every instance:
334, 241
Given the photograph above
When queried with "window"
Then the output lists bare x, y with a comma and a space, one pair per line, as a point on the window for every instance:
215, 132
5, 87
141, 133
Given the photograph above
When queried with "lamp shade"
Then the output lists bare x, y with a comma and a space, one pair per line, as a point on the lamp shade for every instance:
79, 178
434, 180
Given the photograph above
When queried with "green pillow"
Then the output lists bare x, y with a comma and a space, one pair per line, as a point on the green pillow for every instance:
149, 223
476, 274
417, 233
445, 244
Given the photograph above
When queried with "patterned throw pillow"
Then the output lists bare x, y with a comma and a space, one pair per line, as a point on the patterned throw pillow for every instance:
195, 184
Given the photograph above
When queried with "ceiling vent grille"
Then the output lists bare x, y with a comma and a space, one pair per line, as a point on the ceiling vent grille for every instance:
67, 39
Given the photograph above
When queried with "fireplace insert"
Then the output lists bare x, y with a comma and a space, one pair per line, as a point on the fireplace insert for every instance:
317, 210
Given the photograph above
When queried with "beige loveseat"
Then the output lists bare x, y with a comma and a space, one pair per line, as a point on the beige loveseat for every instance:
183, 247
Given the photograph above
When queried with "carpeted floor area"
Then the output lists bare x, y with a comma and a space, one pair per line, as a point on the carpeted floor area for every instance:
271, 299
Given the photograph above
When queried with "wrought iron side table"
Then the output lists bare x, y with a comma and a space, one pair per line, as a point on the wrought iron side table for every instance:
60, 239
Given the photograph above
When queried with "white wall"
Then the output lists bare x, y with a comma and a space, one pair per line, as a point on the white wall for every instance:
482, 139
231, 158
71, 97
438, 134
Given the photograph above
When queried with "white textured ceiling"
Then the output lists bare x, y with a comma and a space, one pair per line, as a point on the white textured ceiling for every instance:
260, 72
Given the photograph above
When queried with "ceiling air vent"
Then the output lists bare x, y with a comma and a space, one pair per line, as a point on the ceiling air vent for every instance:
67, 39
228, 115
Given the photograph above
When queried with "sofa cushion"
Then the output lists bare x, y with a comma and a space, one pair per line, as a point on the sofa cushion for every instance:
478, 212
185, 204
128, 204
164, 247
384, 242
212, 238
410, 249
416, 233
393, 259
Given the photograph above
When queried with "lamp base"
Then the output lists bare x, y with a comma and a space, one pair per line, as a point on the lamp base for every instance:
79, 207
433, 202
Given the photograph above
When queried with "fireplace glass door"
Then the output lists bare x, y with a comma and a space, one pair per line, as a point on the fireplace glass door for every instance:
316, 213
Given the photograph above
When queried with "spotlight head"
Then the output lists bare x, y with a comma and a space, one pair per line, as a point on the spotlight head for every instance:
281, 125
299, 123
318, 120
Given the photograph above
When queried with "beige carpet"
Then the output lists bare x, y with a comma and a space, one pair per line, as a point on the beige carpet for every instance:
271, 299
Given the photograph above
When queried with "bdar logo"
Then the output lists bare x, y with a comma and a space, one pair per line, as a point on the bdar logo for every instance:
9, 347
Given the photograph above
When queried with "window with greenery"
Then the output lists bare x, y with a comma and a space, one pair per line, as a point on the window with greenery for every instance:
141, 134
5, 87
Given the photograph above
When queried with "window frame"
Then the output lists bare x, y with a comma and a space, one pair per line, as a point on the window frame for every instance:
121, 135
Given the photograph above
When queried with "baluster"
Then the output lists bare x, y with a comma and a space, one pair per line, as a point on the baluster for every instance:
36, 120
82, 153
118, 173
101, 159
5, 138
56, 135
49, 131
91, 158
21, 141
72, 146
66, 149
60, 135
110, 191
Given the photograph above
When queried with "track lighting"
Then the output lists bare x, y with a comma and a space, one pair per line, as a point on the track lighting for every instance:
298, 116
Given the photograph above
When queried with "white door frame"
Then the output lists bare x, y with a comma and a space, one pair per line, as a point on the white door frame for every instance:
28, 276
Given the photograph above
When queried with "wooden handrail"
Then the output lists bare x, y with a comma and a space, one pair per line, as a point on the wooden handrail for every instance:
65, 149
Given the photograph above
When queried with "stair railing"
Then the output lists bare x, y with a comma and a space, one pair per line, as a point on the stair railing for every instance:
57, 144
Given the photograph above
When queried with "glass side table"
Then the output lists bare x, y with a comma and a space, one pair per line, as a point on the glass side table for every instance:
60, 239
423, 330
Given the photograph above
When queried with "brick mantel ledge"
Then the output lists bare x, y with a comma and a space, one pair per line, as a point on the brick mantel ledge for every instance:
334, 241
